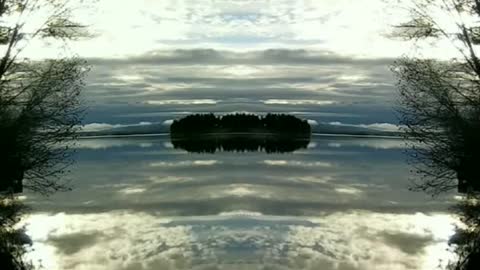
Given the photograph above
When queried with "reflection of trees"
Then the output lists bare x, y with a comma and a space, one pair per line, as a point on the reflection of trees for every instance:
11, 240
240, 143
466, 239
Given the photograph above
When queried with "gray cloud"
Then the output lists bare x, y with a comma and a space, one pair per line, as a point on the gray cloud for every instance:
69, 244
240, 81
265, 57
407, 242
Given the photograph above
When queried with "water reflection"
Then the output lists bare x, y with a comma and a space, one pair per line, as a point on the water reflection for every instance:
236, 240
240, 143
341, 203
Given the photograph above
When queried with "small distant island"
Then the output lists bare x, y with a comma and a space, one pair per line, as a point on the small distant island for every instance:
275, 124
271, 133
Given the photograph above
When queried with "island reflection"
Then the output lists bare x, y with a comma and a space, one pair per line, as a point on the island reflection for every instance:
240, 143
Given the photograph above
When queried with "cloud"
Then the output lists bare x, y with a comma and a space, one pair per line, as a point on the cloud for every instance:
312, 122
348, 190
240, 25
181, 102
295, 163
168, 122
92, 127
376, 126
407, 242
298, 102
103, 144
371, 143
212, 80
132, 190
69, 244
234, 58
240, 191
186, 163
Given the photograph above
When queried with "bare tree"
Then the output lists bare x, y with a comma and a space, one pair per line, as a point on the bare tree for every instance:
439, 104
439, 107
39, 100
39, 111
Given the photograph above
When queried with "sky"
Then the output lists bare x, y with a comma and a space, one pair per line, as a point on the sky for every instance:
325, 60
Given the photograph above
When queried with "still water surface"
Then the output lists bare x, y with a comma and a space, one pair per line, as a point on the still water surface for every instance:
138, 203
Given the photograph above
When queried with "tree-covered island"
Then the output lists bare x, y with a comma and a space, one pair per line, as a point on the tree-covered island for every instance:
276, 124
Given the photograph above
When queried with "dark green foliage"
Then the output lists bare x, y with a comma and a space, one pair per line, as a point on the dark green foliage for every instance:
240, 123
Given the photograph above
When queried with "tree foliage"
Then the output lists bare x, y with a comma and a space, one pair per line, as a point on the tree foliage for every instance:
439, 103
39, 100
39, 111
439, 107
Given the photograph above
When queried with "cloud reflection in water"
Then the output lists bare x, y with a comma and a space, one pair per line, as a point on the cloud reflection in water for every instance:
325, 207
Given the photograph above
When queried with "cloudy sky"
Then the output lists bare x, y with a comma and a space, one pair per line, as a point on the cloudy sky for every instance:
325, 60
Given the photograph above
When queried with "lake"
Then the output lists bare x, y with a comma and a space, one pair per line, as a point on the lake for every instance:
138, 203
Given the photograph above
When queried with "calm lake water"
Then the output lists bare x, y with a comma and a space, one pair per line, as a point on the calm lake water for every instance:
138, 203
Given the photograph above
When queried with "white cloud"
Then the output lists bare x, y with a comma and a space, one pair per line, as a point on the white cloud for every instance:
181, 102
377, 126
240, 25
240, 213
312, 122
99, 126
92, 127
295, 163
240, 191
97, 144
185, 163
298, 102
348, 190
372, 143
168, 123
132, 190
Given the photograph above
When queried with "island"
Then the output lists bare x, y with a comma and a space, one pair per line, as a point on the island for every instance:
271, 133
275, 124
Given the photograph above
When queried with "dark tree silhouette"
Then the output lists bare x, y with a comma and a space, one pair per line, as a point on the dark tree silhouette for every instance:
439, 107
441, 124
39, 111
39, 100
439, 104
193, 125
